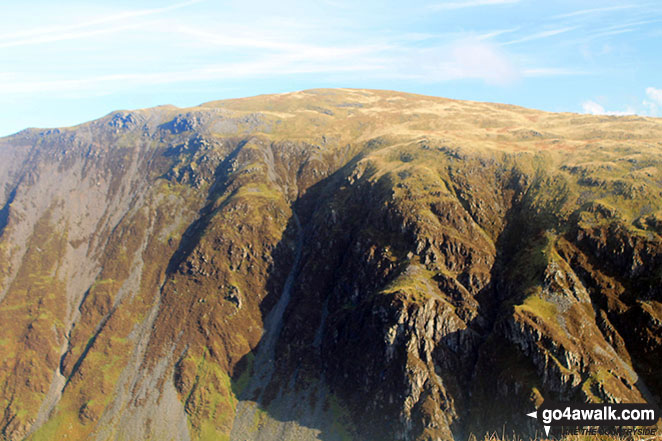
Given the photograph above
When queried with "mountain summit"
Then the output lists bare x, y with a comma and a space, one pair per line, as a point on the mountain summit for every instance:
326, 265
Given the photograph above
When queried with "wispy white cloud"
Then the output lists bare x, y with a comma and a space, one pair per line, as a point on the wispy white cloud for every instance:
653, 101
593, 11
617, 29
470, 59
470, 4
266, 66
630, 24
289, 52
654, 94
552, 71
609, 33
593, 108
291, 44
652, 105
492, 34
447, 37
235, 39
54, 37
543, 34
337, 4
85, 29
596, 109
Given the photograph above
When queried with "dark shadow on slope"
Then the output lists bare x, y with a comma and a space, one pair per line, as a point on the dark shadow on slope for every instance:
305, 207
86, 350
263, 376
494, 355
361, 331
520, 266
4, 213
457, 354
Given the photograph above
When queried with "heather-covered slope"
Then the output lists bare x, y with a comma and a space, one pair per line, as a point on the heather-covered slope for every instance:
327, 264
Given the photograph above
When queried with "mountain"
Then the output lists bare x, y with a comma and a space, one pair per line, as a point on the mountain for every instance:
326, 264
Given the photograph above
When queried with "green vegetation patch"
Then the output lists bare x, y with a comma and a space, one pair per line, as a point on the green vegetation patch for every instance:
209, 402
32, 314
416, 282
536, 305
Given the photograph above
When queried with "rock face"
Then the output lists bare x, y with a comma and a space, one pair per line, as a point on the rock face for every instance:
327, 264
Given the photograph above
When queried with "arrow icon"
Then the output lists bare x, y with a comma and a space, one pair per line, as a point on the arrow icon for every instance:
535, 415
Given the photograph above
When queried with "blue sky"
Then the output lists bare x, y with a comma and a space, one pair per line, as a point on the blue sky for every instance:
67, 62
